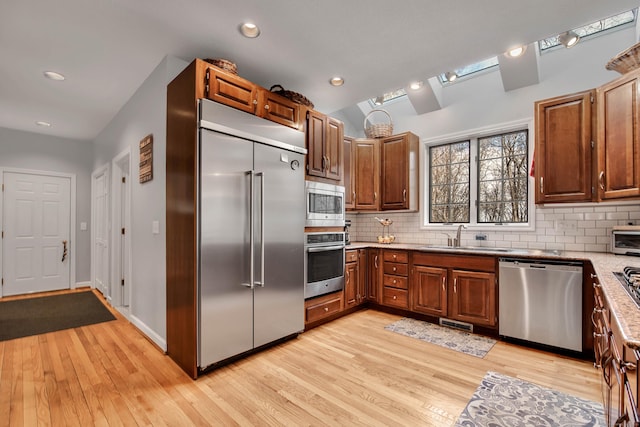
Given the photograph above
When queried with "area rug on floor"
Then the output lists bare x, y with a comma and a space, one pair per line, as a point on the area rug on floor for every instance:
474, 345
501, 400
33, 316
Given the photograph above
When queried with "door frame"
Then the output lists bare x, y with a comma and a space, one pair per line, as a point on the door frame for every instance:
102, 170
72, 217
119, 219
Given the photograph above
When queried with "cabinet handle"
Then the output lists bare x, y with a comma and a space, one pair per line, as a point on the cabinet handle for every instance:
328, 162
375, 261
542, 185
455, 285
444, 283
404, 195
354, 196
601, 180
629, 366
255, 102
266, 107
375, 196
593, 276
348, 275
324, 163
596, 285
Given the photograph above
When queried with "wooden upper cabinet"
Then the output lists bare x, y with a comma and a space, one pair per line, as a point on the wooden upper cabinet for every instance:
618, 141
399, 171
279, 109
230, 90
325, 139
563, 150
349, 170
367, 174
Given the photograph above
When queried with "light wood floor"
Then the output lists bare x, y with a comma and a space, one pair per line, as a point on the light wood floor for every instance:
348, 372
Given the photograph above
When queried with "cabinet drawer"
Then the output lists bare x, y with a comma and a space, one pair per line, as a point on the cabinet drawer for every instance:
395, 297
323, 309
351, 256
395, 281
396, 256
395, 268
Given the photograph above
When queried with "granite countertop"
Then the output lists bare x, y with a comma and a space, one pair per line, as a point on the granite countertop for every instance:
624, 310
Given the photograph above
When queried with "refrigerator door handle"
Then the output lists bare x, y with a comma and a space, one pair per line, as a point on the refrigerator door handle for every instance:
261, 176
251, 283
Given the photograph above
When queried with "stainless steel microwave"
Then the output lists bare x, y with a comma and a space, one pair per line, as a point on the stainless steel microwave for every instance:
325, 204
625, 239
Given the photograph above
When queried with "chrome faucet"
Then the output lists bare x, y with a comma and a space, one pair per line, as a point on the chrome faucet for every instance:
456, 241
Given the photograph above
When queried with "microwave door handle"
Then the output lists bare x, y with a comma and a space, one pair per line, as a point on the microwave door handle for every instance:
325, 248
261, 176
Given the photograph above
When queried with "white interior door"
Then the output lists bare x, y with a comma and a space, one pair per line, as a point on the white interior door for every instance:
36, 243
100, 265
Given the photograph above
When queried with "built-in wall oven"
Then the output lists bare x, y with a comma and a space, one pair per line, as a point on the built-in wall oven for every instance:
324, 263
325, 205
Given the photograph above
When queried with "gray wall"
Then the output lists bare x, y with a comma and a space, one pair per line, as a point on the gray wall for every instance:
26, 150
143, 114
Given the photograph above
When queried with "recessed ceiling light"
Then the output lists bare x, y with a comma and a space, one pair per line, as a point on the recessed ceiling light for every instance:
249, 30
516, 51
44, 124
53, 75
336, 81
415, 85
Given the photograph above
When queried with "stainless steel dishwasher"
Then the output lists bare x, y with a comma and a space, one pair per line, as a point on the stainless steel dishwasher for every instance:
541, 301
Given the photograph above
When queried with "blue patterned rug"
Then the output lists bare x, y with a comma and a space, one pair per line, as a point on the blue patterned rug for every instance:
474, 345
501, 400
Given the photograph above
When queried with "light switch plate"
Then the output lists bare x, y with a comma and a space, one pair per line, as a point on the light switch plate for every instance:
155, 227
83, 226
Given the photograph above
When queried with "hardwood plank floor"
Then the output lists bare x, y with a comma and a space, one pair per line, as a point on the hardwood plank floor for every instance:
348, 372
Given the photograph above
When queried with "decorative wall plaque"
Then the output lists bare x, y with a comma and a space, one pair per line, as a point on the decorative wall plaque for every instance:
146, 159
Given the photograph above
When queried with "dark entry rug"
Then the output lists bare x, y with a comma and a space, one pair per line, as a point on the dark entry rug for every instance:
501, 400
33, 316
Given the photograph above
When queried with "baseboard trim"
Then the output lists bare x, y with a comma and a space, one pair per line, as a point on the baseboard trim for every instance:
149, 333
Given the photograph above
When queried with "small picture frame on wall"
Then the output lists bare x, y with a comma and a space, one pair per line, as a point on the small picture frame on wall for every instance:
146, 159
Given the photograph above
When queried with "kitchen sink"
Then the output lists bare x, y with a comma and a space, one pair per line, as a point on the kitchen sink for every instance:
493, 250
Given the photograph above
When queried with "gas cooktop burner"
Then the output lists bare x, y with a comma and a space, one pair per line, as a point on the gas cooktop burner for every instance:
630, 280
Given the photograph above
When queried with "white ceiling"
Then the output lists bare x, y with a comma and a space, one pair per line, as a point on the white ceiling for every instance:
106, 48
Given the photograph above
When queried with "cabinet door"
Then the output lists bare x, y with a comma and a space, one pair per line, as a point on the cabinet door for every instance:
349, 175
563, 162
231, 90
375, 275
367, 174
316, 129
362, 275
351, 285
473, 297
429, 290
618, 141
279, 109
334, 149
395, 172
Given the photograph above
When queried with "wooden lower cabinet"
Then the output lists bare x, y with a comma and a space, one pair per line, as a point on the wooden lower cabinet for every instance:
474, 297
355, 278
395, 278
429, 287
440, 287
374, 277
324, 306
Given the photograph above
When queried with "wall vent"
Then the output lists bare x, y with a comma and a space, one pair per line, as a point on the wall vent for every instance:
467, 327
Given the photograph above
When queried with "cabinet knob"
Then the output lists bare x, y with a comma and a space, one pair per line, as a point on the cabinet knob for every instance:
394, 257
394, 269
255, 102
395, 281
326, 309
395, 297
266, 107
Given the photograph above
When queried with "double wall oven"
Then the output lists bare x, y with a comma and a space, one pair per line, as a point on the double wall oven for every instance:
324, 244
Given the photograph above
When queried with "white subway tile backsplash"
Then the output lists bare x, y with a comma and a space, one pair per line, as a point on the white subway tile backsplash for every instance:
584, 228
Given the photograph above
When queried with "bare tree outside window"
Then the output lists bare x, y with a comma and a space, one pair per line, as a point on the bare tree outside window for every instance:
449, 171
503, 178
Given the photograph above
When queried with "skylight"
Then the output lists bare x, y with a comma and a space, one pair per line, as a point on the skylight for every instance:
470, 69
594, 28
386, 97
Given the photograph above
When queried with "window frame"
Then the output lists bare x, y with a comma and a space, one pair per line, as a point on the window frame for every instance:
473, 135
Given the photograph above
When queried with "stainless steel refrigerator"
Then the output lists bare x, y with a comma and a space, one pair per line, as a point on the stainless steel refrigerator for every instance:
251, 232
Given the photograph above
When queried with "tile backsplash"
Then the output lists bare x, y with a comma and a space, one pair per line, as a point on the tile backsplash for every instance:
560, 227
